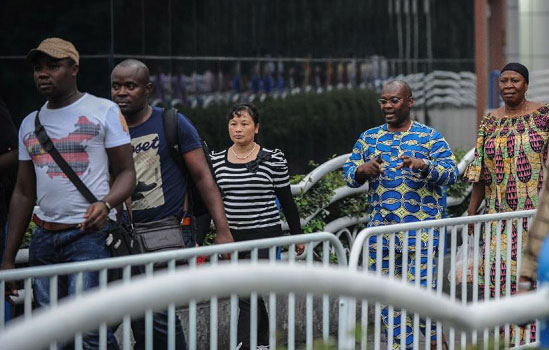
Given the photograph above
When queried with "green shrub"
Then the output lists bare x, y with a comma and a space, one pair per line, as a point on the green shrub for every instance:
318, 197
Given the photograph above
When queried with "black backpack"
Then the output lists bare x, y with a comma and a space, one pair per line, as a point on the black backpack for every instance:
171, 131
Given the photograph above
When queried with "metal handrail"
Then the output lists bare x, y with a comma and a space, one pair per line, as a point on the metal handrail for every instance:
363, 235
165, 256
110, 305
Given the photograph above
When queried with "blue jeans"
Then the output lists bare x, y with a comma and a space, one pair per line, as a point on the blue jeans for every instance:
53, 247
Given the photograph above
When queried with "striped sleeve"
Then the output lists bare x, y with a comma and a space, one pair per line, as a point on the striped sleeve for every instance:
279, 169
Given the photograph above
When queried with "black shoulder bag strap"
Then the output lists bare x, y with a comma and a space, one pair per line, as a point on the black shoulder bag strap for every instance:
49, 147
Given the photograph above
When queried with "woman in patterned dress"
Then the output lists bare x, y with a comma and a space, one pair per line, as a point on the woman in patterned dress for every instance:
507, 171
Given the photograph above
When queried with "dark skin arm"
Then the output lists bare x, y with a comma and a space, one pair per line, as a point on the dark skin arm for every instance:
21, 207
8, 160
200, 172
123, 173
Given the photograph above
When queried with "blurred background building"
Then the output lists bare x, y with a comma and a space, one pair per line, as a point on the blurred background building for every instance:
197, 47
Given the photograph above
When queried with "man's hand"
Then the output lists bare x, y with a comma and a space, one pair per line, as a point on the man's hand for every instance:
412, 163
372, 168
95, 217
11, 287
222, 238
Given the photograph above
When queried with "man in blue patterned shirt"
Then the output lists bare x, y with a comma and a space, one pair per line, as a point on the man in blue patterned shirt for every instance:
407, 165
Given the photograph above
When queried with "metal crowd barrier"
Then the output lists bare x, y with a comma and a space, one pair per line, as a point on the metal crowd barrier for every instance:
184, 286
331, 248
364, 249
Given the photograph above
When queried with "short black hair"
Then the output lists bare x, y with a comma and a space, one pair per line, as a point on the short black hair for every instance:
238, 108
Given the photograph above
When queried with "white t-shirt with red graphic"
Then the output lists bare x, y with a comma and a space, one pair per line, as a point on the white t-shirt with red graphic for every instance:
81, 132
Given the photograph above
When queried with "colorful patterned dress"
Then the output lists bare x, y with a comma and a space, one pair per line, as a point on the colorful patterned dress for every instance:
509, 157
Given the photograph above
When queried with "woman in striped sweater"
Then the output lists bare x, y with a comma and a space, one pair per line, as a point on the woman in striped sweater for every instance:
251, 178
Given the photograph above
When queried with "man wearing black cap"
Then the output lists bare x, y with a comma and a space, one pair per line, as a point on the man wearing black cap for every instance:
91, 135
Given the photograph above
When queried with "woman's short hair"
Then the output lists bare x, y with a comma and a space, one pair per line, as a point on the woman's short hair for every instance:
238, 108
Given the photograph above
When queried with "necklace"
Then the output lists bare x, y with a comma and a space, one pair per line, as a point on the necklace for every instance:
515, 114
247, 155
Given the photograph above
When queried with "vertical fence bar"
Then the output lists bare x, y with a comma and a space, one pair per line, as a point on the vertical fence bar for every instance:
391, 274
272, 305
291, 305
498, 276
126, 322
403, 312
464, 267
529, 326
103, 279
364, 306
309, 305
28, 298
519, 260
476, 252
453, 244
149, 271
440, 283
234, 308
508, 232
417, 273
325, 297
192, 312
213, 313
53, 300
488, 232
253, 308
430, 258
78, 342
377, 320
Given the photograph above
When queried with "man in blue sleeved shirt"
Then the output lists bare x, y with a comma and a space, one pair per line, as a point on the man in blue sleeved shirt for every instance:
407, 165
161, 182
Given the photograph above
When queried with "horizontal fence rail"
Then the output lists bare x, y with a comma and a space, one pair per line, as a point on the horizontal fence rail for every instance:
395, 252
330, 251
184, 286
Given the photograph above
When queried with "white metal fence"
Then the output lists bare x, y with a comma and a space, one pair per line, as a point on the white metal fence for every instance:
487, 229
184, 286
330, 251
396, 257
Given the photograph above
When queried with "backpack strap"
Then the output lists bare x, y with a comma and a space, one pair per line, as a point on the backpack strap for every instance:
171, 132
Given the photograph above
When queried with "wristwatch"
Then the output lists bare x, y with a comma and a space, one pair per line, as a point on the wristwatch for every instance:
107, 204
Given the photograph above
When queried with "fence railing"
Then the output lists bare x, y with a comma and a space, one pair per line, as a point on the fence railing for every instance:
331, 249
184, 286
400, 254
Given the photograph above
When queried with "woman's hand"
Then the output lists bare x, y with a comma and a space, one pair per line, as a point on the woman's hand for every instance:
300, 248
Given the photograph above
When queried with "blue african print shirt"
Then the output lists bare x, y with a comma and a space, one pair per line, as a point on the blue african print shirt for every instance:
404, 195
